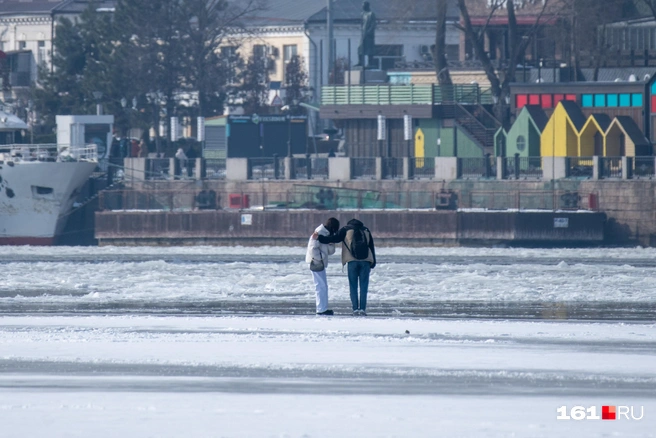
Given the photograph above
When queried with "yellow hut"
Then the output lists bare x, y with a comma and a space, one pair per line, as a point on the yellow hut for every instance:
592, 137
625, 139
560, 137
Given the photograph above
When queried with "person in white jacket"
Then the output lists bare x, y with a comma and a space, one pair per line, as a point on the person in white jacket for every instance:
317, 256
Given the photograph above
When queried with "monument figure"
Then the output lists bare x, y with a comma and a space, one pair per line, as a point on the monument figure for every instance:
367, 36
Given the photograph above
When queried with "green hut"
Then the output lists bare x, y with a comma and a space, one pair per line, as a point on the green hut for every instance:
523, 137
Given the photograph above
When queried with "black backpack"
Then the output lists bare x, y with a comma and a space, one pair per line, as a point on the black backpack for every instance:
359, 246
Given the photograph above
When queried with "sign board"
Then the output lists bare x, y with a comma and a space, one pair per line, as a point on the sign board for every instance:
407, 127
247, 219
382, 128
561, 222
200, 129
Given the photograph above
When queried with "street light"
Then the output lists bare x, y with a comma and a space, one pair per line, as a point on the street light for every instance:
156, 97
290, 110
97, 95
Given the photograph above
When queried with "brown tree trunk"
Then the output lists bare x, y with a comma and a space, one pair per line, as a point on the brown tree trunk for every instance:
441, 65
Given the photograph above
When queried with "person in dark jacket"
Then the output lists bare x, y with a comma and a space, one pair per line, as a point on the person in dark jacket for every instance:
358, 269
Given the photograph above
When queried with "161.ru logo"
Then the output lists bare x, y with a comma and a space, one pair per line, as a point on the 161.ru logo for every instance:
607, 413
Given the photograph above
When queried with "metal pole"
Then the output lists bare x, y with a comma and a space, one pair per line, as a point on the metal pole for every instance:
329, 24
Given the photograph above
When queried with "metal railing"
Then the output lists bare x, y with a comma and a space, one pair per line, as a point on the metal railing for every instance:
392, 168
580, 167
363, 168
416, 94
611, 167
478, 168
48, 152
309, 168
266, 168
523, 167
215, 168
643, 167
422, 168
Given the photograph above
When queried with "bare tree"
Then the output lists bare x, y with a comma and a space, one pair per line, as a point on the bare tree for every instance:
441, 65
500, 78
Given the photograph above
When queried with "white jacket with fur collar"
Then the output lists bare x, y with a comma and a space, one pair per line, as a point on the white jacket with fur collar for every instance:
317, 250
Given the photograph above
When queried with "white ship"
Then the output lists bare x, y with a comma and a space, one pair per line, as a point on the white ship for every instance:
38, 186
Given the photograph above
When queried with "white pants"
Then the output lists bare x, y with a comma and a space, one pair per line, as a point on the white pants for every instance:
321, 287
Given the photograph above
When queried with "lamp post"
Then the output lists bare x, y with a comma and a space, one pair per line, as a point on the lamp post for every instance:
290, 112
97, 95
155, 97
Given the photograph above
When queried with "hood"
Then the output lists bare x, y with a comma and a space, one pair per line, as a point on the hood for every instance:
322, 230
355, 223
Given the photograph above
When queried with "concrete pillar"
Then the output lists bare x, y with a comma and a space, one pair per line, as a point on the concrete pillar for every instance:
339, 169
406, 168
135, 169
236, 169
379, 168
554, 168
288, 167
627, 167
501, 164
172, 167
446, 168
596, 168
198, 169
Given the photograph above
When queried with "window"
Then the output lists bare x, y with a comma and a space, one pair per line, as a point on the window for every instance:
599, 100
521, 100
611, 100
534, 99
546, 101
229, 58
521, 143
636, 99
41, 54
625, 100
22, 45
288, 52
586, 100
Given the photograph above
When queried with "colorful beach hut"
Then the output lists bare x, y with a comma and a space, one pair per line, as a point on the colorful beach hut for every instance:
625, 139
560, 137
593, 135
524, 136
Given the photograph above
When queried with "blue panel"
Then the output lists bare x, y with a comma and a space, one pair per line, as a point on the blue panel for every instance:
653, 88
586, 100
611, 100
599, 100
625, 100
636, 99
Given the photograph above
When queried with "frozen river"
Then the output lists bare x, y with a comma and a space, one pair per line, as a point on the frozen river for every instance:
205, 341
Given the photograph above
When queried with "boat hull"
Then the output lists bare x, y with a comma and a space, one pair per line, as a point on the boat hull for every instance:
36, 199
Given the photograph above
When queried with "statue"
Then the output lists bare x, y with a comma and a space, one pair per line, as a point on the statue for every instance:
367, 36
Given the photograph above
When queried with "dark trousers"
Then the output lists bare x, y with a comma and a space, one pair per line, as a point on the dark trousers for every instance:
358, 271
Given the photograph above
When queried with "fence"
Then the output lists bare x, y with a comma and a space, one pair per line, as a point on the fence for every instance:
478, 168
522, 167
266, 168
392, 168
580, 167
422, 168
309, 168
611, 167
363, 168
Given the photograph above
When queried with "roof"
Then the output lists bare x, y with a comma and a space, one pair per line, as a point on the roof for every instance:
284, 12
386, 10
10, 122
538, 115
632, 130
34, 7
79, 6
603, 120
574, 113
610, 74
15, 7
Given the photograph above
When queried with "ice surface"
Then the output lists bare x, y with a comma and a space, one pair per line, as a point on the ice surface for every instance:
222, 342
